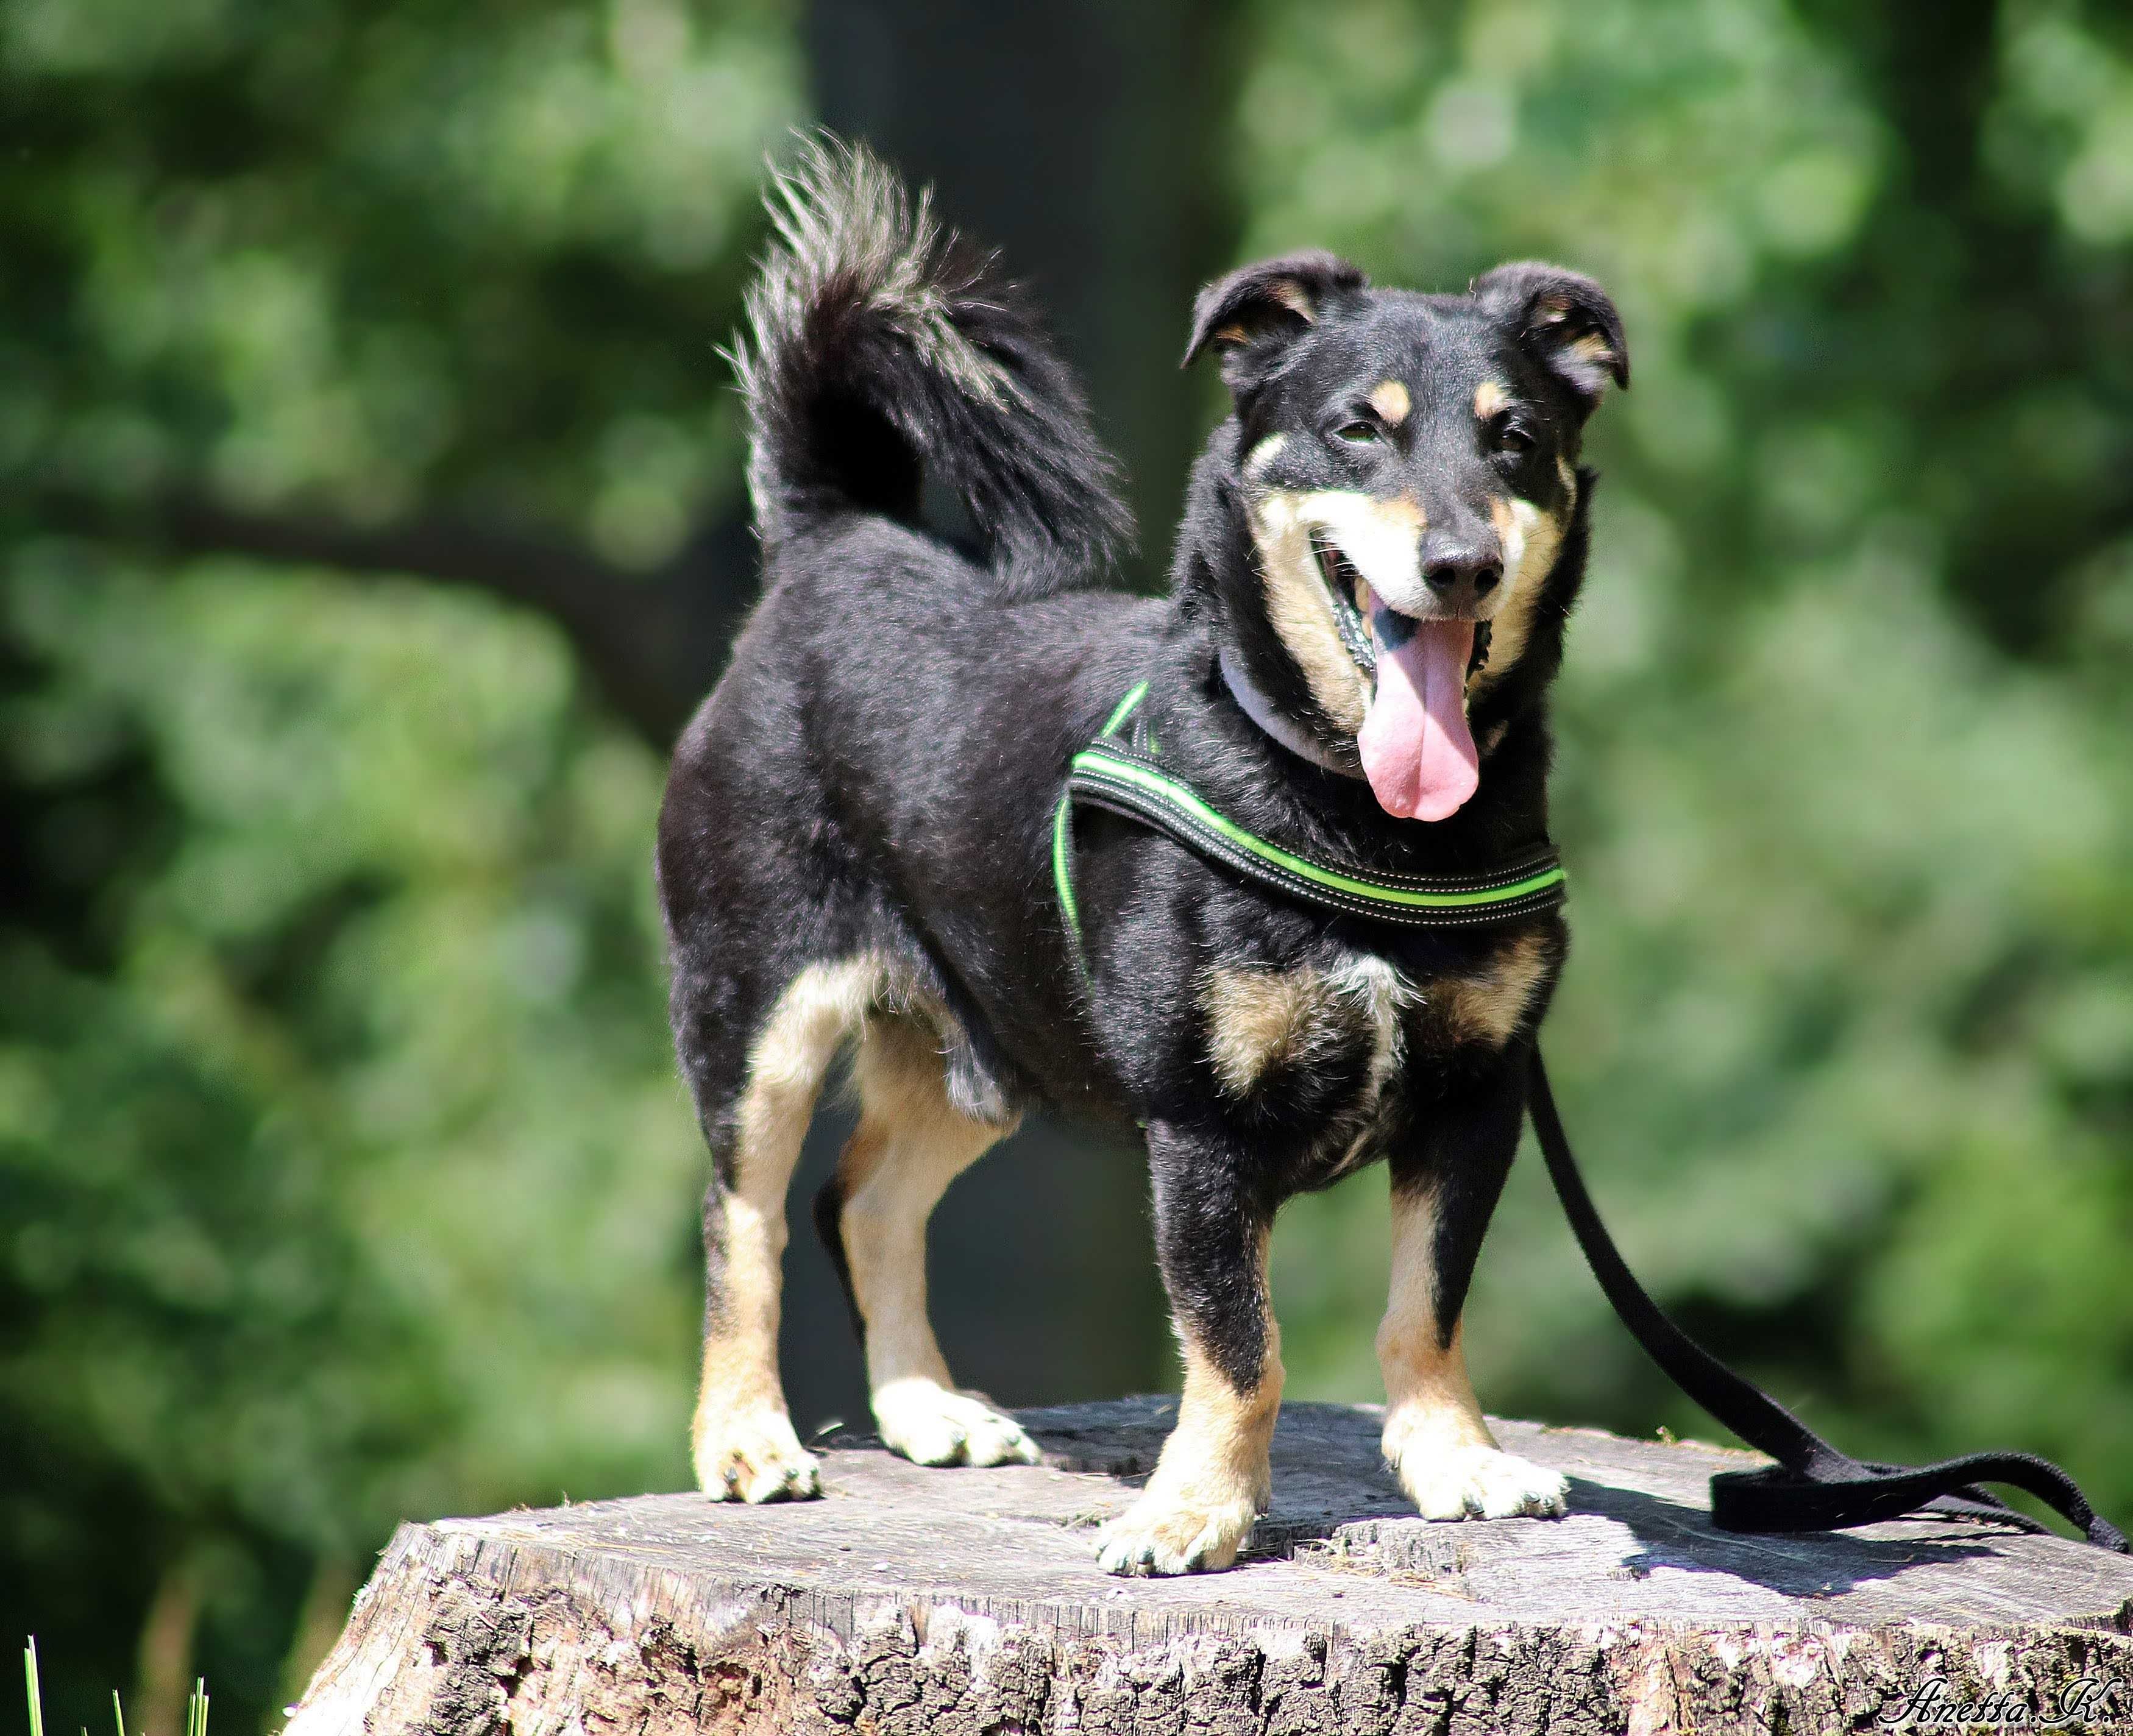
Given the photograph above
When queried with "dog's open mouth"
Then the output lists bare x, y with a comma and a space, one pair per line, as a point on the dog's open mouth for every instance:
1416, 749
1347, 592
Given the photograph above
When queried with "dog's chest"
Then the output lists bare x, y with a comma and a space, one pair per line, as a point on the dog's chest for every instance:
1323, 1041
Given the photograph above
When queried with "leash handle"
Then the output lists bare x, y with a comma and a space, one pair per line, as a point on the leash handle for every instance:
1813, 1487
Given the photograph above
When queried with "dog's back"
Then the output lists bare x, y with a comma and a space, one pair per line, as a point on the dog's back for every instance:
822, 805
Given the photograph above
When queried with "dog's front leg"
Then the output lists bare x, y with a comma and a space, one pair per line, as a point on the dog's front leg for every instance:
1444, 1190
1215, 1476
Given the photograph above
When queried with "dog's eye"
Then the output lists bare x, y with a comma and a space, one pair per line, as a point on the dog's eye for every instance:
1358, 434
1512, 438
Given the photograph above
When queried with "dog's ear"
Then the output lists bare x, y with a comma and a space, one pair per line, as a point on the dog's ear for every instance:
1267, 304
1565, 321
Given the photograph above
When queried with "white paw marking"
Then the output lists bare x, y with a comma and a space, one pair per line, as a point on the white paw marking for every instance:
929, 1425
1158, 1536
755, 1456
1481, 1483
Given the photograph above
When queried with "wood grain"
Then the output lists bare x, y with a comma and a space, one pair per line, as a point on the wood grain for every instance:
968, 1602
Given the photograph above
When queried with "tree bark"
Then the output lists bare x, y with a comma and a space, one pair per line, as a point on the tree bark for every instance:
969, 1602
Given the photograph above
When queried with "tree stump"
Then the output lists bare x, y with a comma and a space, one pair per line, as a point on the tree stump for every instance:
969, 1602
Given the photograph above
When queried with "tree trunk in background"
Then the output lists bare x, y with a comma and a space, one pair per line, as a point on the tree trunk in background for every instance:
167, 1637
1078, 139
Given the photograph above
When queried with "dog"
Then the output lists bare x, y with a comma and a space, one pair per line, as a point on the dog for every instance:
1380, 546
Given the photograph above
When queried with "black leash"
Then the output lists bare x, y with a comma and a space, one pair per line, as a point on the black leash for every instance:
1813, 1487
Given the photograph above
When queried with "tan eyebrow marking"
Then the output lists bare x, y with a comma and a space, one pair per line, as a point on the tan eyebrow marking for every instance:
1491, 397
1391, 401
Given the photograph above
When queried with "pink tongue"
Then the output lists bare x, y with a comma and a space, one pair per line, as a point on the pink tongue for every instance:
1417, 750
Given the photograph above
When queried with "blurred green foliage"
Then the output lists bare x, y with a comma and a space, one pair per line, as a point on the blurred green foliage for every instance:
363, 255
343, 1174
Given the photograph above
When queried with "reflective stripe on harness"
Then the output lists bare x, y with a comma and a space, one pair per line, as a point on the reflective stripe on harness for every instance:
1126, 779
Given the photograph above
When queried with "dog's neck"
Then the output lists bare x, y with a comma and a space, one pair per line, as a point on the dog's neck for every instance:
1254, 701
1217, 559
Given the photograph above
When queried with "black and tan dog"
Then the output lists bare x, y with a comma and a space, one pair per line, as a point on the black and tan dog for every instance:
857, 841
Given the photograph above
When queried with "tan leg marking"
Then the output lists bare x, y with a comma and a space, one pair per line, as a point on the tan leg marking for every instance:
1489, 1007
1532, 539
1391, 400
1216, 1475
1436, 1438
1491, 398
743, 1445
911, 1143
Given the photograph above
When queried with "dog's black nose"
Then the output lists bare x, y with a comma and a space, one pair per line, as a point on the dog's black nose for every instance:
1462, 574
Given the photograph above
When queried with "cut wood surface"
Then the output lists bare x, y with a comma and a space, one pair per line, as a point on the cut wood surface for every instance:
969, 1602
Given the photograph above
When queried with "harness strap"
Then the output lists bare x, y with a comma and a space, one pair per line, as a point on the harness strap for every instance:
1128, 778
1062, 825
1813, 1487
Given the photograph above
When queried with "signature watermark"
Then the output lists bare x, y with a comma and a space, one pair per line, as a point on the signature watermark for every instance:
2088, 1703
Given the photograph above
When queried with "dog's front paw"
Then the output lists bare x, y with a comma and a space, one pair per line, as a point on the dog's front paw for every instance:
1469, 1481
755, 1456
929, 1425
1159, 1535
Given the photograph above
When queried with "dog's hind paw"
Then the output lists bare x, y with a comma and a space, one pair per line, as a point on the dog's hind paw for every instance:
1482, 1482
756, 1457
930, 1425
1160, 1537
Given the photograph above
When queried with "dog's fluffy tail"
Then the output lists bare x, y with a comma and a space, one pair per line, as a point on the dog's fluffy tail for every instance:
882, 350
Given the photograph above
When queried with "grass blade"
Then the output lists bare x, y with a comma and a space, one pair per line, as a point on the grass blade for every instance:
117, 1714
36, 1699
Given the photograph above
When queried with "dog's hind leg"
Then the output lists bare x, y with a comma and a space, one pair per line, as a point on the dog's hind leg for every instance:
910, 1144
744, 1446
1436, 1438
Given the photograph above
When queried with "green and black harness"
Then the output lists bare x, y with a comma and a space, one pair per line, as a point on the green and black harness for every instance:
1125, 774
1812, 1486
